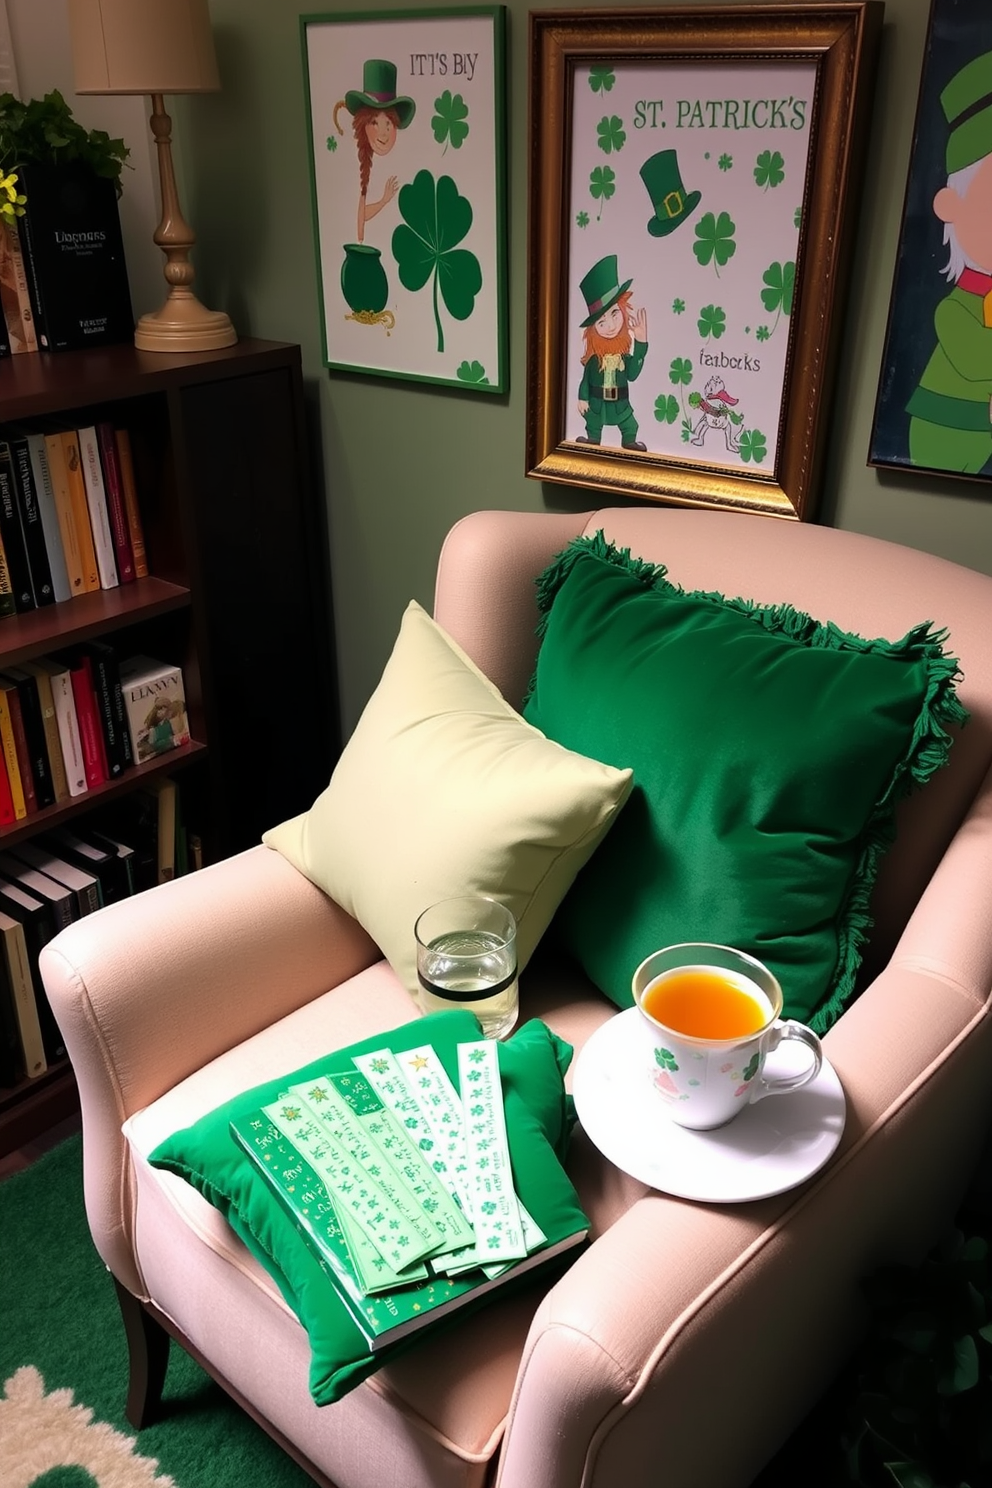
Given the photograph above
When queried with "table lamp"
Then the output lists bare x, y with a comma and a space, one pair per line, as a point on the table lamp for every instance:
156, 47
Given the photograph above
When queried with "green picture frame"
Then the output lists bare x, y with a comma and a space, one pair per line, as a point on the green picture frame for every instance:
410, 250
693, 182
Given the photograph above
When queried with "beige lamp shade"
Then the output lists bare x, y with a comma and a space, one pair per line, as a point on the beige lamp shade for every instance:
156, 47
142, 46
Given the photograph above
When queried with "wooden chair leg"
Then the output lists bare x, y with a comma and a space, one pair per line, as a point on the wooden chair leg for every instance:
148, 1357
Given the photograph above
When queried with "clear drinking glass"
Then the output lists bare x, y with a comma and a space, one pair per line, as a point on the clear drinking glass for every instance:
467, 958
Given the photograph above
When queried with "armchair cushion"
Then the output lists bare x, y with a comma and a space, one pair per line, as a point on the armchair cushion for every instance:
538, 1120
769, 751
442, 790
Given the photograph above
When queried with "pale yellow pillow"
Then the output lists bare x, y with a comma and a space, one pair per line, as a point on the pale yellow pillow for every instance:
444, 789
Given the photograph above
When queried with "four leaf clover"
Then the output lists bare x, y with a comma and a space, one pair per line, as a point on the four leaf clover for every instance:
712, 322
769, 169
602, 184
715, 240
601, 79
611, 134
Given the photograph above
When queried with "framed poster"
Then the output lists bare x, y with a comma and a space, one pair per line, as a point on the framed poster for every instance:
691, 202
406, 136
934, 406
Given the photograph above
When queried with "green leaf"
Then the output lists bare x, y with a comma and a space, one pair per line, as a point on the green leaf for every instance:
611, 134
715, 240
780, 280
436, 217
666, 408
909, 1475
712, 321
448, 123
601, 79
769, 169
680, 371
43, 131
473, 372
961, 1371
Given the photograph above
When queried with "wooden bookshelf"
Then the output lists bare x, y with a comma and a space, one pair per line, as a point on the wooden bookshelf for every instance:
237, 593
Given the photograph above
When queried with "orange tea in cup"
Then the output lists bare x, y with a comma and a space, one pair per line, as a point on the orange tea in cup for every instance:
707, 1003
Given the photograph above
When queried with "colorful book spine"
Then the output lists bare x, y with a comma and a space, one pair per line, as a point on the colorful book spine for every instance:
8, 688
135, 525
7, 813
90, 733
29, 511
38, 455
12, 535
96, 501
58, 473
64, 702
76, 482
18, 311
9, 746
116, 507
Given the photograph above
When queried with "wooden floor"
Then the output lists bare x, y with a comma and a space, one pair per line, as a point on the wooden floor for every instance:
16, 1162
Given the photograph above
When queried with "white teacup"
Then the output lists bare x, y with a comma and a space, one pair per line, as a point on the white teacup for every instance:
712, 1015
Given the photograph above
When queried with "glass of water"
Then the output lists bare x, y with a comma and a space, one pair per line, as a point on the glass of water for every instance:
467, 958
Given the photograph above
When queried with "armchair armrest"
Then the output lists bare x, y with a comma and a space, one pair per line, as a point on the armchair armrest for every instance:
680, 1304
149, 990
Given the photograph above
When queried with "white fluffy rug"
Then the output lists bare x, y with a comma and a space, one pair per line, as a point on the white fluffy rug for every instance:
48, 1442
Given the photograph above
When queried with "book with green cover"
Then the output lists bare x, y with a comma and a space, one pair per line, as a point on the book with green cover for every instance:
330, 1191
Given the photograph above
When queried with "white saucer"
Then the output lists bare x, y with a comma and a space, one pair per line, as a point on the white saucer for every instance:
771, 1146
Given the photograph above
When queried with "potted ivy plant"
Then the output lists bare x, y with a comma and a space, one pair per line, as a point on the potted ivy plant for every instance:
59, 187
44, 131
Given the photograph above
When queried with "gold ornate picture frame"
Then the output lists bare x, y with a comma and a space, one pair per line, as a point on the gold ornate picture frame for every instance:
693, 185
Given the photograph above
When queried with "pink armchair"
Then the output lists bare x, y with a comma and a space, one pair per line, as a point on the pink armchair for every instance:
182, 997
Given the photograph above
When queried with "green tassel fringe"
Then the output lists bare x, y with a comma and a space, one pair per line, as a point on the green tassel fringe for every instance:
926, 753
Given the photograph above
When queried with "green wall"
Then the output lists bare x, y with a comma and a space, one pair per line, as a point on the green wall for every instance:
402, 461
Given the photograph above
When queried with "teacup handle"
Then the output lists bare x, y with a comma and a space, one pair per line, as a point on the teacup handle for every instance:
788, 1028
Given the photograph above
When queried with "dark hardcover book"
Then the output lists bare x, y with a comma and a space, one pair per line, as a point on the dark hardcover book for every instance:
38, 919
122, 851
110, 708
42, 887
85, 887
113, 484
134, 821
12, 535
34, 733
74, 252
81, 850
29, 511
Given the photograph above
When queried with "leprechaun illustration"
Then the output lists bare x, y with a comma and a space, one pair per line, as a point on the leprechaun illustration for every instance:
950, 425
615, 342
378, 114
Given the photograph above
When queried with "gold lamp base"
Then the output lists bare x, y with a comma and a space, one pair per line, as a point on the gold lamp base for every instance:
183, 324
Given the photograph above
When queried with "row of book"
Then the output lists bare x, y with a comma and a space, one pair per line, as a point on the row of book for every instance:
71, 722
58, 877
70, 522
63, 276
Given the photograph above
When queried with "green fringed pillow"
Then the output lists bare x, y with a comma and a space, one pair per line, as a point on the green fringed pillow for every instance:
769, 751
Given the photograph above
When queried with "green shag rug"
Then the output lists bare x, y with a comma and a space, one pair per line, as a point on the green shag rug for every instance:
63, 1365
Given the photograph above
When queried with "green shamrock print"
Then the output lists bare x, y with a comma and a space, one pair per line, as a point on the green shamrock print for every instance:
611, 133
769, 169
715, 240
601, 79
712, 322
751, 1068
665, 1059
602, 185
582, 219
448, 123
473, 372
666, 409
436, 217
753, 446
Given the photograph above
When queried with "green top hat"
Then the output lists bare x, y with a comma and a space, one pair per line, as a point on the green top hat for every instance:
672, 205
379, 92
967, 105
601, 288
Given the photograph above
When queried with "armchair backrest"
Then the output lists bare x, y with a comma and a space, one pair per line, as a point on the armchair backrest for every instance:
485, 598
